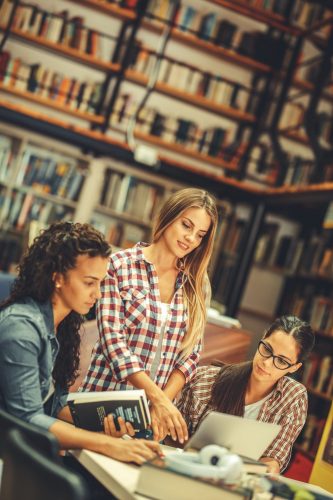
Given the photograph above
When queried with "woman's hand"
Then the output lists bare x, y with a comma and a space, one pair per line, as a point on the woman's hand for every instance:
166, 419
132, 450
272, 465
110, 427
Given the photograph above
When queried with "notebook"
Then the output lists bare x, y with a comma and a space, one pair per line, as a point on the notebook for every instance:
242, 436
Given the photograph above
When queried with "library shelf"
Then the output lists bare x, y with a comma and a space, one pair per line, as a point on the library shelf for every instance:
37, 193
294, 135
319, 394
308, 86
256, 13
199, 44
111, 9
177, 148
64, 51
101, 143
30, 96
196, 100
131, 219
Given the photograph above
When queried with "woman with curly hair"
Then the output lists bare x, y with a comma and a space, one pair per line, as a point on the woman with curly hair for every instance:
152, 312
58, 282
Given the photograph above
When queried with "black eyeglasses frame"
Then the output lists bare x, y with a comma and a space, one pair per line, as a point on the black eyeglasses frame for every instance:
274, 356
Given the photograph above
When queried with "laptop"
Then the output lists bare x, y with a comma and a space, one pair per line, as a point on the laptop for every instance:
240, 435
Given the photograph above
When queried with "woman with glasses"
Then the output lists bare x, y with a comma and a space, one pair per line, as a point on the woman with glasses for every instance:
260, 389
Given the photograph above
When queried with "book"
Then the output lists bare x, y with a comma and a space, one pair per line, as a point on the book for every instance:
88, 409
178, 486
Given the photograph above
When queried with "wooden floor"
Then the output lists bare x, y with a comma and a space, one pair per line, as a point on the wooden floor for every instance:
230, 345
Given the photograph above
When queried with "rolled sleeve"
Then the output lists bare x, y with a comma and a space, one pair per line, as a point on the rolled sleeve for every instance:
111, 324
21, 389
189, 365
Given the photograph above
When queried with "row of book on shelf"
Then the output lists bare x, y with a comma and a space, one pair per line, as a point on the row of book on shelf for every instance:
83, 96
318, 373
317, 308
18, 208
212, 141
118, 233
189, 79
47, 173
311, 434
59, 28
207, 25
125, 193
287, 251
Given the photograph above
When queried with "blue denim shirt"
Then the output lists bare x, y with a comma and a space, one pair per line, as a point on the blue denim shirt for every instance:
28, 349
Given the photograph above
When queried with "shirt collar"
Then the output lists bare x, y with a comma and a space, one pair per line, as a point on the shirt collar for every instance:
139, 256
47, 312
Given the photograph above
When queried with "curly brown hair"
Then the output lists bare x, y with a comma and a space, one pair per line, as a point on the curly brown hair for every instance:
55, 250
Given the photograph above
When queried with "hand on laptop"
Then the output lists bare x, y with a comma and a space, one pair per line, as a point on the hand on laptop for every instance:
133, 450
273, 465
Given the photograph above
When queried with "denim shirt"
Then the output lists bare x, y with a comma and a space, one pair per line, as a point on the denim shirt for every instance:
28, 349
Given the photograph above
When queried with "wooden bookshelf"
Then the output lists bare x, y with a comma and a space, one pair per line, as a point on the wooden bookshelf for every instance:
30, 96
294, 135
195, 100
178, 148
111, 9
37, 193
131, 219
64, 51
210, 48
242, 186
256, 13
309, 87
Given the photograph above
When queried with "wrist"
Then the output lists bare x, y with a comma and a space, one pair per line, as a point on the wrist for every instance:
155, 394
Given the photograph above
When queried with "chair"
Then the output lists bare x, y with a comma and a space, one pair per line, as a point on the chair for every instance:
41, 439
30, 475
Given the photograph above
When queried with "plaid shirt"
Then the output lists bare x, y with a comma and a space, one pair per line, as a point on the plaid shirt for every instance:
129, 317
287, 406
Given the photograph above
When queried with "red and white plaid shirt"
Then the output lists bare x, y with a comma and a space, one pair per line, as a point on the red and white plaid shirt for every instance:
287, 406
129, 317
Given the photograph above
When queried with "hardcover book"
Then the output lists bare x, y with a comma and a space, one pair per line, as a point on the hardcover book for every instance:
88, 409
157, 481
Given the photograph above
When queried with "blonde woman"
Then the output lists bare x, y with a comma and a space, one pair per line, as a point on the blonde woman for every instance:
152, 313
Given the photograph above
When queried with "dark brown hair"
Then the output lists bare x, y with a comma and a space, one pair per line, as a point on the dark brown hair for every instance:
55, 250
229, 389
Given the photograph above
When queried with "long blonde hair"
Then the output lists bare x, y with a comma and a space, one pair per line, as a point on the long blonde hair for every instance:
196, 286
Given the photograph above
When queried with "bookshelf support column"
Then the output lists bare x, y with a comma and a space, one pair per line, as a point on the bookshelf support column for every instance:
245, 259
91, 191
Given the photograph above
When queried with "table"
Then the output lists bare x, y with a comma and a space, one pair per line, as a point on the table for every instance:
121, 478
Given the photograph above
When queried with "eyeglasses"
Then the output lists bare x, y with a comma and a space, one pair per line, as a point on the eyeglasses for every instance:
266, 352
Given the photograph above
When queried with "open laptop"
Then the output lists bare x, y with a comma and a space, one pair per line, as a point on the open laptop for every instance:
240, 435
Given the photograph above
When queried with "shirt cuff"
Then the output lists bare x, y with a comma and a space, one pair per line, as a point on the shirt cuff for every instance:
42, 420
124, 367
188, 368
